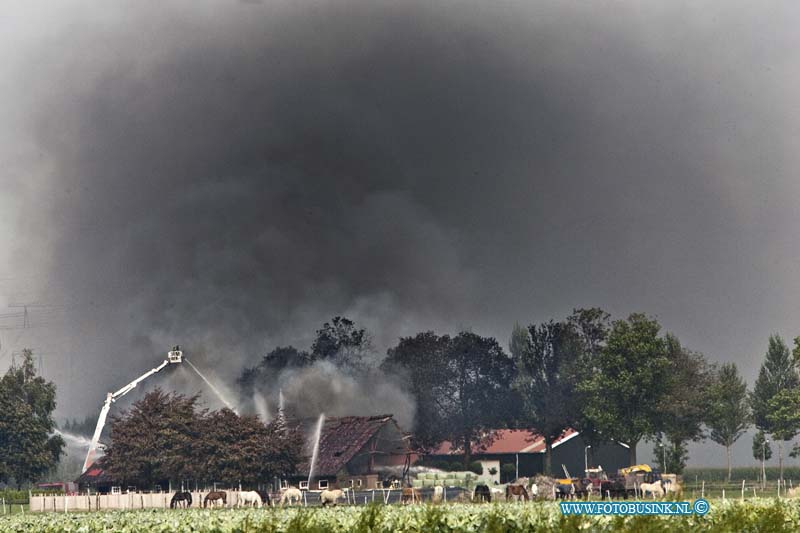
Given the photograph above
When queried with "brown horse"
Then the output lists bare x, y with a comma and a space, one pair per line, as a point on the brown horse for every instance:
518, 492
216, 496
409, 495
181, 499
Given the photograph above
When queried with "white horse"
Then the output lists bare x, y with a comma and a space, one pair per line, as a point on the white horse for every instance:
249, 498
290, 495
438, 494
653, 488
534, 490
330, 497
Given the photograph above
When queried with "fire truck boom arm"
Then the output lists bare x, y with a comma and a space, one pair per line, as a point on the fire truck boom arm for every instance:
114, 396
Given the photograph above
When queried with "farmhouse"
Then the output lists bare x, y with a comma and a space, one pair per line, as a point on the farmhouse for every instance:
520, 453
95, 479
355, 451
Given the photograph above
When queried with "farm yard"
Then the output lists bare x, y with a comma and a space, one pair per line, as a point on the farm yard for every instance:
753, 515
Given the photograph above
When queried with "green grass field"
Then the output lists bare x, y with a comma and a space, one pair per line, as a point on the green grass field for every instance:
753, 515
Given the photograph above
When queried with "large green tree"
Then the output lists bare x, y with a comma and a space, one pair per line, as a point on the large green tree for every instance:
681, 407
778, 375
461, 384
237, 449
153, 442
28, 448
543, 382
592, 326
728, 409
419, 361
624, 392
475, 396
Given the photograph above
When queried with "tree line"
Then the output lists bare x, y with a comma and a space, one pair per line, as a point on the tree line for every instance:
622, 380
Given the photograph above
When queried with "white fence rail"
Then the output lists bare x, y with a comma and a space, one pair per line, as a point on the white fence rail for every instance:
131, 500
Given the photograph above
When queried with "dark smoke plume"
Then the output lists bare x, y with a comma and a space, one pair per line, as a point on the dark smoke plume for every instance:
229, 175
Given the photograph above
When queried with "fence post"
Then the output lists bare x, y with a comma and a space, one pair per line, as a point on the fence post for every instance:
742, 490
703, 490
723, 495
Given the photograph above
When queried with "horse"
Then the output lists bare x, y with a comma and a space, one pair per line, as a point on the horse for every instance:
564, 491
482, 493
181, 499
290, 495
516, 492
438, 494
330, 497
670, 484
409, 495
534, 490
265, 497
249, 498
656, 489
216, 496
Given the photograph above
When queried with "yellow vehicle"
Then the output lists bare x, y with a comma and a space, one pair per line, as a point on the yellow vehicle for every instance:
635, 469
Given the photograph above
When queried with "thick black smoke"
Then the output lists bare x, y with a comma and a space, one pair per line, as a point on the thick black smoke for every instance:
229, 175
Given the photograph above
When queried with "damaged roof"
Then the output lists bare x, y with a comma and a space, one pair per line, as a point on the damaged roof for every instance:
341, 439
94, 475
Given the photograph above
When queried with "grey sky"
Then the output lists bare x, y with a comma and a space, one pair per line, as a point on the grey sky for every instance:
228, 175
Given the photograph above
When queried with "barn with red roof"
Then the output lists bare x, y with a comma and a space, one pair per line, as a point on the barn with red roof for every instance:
511, 453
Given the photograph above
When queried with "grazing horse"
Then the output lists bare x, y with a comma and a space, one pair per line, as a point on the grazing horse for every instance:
516, 492
265, 497
249, 498
290, 495
482, 494
216, 496
181, 499
330, 497
409, 495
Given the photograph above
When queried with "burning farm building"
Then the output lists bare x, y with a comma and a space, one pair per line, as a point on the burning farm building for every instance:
355, 451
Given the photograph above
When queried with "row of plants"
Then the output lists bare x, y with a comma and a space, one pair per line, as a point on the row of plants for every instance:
759, 515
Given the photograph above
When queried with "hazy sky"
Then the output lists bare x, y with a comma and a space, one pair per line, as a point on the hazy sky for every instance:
227, 175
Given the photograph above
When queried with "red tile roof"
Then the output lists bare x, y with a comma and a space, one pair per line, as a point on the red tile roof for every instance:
503, 441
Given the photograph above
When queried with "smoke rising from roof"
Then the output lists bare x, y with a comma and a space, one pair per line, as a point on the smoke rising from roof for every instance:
228, 176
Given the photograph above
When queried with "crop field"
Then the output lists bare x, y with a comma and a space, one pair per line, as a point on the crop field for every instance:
729, 516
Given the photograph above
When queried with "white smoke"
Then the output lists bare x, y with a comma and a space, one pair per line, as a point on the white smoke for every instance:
326, 388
